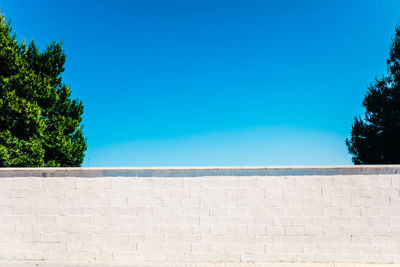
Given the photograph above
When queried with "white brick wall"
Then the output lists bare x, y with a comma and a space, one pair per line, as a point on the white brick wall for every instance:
336, 214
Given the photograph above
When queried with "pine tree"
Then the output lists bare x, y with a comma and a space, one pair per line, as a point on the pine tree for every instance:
40, 125
375, 138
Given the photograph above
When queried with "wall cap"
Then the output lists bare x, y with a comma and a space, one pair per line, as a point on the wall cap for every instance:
200, 171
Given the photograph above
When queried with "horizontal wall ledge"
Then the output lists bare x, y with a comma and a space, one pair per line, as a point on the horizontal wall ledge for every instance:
200, 171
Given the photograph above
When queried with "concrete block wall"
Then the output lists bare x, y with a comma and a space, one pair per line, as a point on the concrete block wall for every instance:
303, 214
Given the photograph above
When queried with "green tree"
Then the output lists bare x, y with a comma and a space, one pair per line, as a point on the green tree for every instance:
40, 125
375, 137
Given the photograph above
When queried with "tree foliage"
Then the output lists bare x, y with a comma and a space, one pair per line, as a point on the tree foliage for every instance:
40, 124
375, 138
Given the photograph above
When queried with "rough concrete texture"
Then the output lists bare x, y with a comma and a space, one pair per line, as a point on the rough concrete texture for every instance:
186, 264
315, 214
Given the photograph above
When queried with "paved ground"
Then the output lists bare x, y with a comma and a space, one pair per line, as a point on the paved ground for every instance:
179, 264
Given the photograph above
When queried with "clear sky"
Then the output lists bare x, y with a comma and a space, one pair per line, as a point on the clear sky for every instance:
216, 82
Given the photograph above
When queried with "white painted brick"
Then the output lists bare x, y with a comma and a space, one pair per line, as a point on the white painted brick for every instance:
147, 211
49, 228
294, 230
67, 183
349, 211
293, 211
276, 230
174, 182
252, 257
46, 219
231, 257
7, 210
330, 250
344, 258
236, 192
69, 211
193, 182
49, 238
221, 229
332, 211
193, 238
32, 237
128, 210
237, 220
268, 220
172, 192
293, 239
7, 228
31, 183
395, 220
237, 238
343, 180
186, 220
284, 220
49, 183
190, 202
22, 211
344, 201
303, 220
29, 219
360, 240
341, 220
359, 221
382, 230
272, 192
23, 228
256, 211
6, 201
12, 219
237, 211
33, 255
370, 211
83, 220
45, 210
284, 249
313, 230
381, 201
281, 218
108, 211
139, 202
389, 211
92, 183
75, 246
30, 193
303, 201
277, 211
333, 230
382, 242
379, 220
200, 248
219, 212
118, 202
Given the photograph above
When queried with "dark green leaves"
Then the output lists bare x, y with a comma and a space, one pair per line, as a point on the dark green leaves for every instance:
40, 125
375, 138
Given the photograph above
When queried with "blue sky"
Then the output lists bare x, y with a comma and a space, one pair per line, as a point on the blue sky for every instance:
191, 83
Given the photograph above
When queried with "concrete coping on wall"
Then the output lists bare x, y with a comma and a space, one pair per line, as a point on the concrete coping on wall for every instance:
200, 171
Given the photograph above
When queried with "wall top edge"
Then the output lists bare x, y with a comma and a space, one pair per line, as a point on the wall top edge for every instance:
200, 171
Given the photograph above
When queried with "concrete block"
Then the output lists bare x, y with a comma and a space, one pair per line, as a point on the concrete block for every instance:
336, 217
